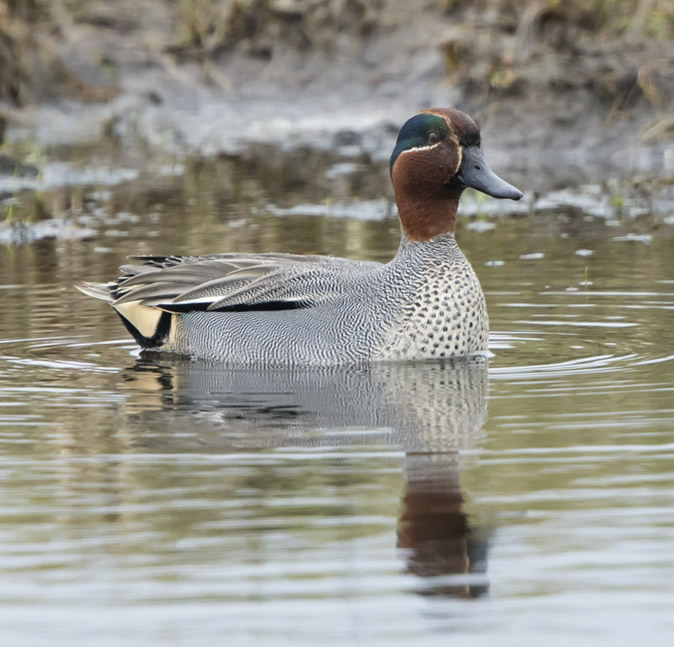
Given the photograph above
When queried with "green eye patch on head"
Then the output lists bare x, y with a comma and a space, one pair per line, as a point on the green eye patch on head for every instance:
415, 132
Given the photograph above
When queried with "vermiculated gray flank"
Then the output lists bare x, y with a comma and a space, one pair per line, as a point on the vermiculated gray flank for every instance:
425, 303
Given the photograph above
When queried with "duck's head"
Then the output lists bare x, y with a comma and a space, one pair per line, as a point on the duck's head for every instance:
438, 154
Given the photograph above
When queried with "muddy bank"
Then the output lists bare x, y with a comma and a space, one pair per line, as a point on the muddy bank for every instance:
567, 95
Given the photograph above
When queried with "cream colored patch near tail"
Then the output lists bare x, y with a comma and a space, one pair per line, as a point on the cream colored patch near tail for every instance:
144, 319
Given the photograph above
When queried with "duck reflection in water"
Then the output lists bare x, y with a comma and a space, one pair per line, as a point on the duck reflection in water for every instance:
429, 410
439, 543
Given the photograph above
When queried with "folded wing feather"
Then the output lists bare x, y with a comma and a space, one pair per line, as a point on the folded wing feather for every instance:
232, 281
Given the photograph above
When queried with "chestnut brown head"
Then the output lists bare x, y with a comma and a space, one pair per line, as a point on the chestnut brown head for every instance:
438, 154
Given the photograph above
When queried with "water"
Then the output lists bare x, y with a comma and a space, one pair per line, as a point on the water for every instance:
157, 501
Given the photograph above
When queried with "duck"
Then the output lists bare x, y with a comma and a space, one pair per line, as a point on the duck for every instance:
285, 309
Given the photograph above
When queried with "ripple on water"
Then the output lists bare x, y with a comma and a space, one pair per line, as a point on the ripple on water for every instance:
150, 496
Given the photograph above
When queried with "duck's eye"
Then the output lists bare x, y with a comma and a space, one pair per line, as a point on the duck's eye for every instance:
433, 137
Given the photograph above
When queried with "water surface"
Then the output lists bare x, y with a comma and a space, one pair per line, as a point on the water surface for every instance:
158, 501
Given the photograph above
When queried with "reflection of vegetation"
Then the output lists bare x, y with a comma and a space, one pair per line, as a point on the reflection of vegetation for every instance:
25, 207
220, 195
236, 201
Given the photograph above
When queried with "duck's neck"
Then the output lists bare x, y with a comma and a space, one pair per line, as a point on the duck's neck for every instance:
431, 250
424, 218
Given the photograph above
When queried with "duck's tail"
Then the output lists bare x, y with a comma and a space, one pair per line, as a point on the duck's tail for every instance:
150, 326
97, 290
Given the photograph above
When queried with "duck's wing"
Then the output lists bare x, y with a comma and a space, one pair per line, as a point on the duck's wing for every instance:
230, 282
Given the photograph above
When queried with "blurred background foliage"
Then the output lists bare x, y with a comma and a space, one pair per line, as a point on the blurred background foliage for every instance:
613, 47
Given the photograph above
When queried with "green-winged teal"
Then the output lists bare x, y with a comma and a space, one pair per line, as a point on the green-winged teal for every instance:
285, 309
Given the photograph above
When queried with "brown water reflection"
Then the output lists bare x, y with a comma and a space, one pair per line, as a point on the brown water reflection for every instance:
435, 530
